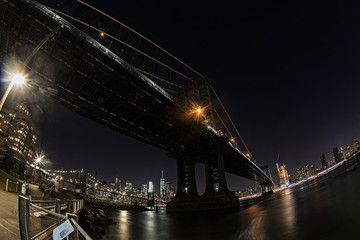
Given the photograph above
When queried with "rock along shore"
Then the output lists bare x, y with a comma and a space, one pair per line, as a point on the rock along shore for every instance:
93, 220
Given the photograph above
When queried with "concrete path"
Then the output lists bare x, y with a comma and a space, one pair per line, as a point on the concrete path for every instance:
9, 222
9, 226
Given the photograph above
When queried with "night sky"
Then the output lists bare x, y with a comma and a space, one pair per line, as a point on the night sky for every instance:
288, 74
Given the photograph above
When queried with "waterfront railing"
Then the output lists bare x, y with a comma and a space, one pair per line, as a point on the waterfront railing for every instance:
38, 218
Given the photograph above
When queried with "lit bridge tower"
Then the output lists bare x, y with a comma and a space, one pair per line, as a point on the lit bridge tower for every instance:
197, 101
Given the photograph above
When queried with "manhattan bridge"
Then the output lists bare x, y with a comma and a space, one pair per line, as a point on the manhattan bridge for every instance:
130, 84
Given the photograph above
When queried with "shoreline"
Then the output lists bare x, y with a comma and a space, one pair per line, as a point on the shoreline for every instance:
92, 218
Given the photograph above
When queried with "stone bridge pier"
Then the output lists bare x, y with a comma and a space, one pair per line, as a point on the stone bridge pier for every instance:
187, 197
266, 188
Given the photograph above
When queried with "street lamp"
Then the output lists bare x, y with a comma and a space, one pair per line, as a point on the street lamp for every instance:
19, 78
37, 162
16, 78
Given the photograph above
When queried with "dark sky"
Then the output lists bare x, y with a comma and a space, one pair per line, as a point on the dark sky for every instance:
288, 74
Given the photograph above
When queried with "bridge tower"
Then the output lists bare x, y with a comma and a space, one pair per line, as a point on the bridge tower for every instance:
198, 95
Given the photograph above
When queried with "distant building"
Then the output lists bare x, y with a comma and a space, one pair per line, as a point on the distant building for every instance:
20, 132
116, 185
144, 189
162, 185
350, 149
283, 175
128, 186
151, 187
169, 191
336, 155
305, 172
324, 163
78, 178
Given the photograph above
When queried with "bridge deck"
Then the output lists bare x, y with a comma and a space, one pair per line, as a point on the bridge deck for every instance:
87, 78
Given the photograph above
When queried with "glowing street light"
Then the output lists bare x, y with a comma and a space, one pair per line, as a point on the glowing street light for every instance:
15, 78
37, 162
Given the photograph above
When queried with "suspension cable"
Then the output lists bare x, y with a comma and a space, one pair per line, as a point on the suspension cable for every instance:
118, 40
142, 36
222, 105
223, 123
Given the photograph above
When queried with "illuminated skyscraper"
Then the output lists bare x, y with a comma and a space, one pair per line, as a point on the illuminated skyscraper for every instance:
162, 185
151, 187
283, 175
144, 189
305, 172
20, 132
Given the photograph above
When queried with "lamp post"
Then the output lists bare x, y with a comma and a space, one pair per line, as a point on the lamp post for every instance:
16, 78
20, 78
36, 175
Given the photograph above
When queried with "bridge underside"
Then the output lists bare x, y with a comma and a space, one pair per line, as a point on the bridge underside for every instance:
84, 76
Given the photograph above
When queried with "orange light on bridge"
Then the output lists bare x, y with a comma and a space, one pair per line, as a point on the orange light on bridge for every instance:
198, 112
102, 34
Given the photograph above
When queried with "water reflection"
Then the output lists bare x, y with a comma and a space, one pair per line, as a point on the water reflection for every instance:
256, 229
325, 210
123, 224
288, 211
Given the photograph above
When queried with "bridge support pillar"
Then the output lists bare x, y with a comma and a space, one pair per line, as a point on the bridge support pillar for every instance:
181, 187
186, 184
266, 188
187, 198
220, 162
209, 177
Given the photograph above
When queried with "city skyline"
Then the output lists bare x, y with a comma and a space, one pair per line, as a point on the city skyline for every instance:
297, 93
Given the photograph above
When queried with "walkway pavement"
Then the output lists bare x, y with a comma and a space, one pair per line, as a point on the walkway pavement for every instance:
9, 226
9, 222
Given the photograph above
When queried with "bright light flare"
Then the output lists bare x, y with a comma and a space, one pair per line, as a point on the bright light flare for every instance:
18, 78
198, 112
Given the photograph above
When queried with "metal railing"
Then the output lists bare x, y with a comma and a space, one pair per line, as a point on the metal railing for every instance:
11, 182
27, 207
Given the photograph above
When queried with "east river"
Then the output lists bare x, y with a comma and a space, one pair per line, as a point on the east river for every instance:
318, 210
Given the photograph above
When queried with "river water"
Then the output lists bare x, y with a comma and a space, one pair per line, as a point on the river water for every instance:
318, 210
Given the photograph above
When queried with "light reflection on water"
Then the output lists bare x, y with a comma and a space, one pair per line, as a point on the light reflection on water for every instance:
324, 210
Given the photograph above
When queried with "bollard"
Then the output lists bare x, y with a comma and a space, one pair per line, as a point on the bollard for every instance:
7, 185
68, 202
24, 218
57, 208
17, 186
73, 206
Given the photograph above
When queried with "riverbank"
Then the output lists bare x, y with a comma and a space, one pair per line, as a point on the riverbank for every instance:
92, 218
